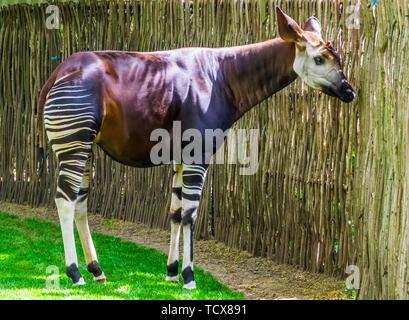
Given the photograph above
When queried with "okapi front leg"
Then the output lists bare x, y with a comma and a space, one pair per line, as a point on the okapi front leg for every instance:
176, 218
81, 221
193, 181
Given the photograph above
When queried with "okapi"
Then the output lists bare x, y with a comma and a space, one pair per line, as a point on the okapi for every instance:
116, 99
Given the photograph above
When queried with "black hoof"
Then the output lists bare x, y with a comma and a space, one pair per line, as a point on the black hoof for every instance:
94, 268
173, 272
74, 274
173, 269
187, 275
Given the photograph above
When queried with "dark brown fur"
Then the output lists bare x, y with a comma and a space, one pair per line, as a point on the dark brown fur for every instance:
203, 88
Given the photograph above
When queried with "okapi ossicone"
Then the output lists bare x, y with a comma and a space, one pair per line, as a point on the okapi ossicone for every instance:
116, 99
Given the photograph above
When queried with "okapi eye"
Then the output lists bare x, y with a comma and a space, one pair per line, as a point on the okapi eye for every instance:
318, 61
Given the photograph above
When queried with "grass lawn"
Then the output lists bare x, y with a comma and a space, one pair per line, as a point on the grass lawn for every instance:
29, 247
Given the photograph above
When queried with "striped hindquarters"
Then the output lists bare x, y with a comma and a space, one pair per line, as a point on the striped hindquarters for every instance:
70, 118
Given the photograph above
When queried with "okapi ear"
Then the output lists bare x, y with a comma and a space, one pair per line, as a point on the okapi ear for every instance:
313, 24
288, 29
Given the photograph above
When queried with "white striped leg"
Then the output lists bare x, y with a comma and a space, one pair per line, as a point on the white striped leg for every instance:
68, 185
176, 218
66, 214
193, 181
81, 221
70, 123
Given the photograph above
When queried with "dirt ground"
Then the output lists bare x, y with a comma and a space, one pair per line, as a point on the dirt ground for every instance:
258, 278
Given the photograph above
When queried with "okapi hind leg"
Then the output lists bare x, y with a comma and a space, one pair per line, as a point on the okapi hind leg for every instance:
69, 180
70, 118
81, 221
193, 181
65, 208
176, 218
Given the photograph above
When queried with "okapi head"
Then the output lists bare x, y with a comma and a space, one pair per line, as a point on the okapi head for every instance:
316, 62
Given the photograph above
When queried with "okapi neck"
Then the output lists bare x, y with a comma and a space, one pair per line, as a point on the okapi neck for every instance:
255, 72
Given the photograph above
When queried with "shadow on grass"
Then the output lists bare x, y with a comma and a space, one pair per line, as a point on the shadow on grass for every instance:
29, 247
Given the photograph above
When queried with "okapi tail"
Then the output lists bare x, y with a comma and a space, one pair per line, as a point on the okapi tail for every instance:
40, 117
40, 109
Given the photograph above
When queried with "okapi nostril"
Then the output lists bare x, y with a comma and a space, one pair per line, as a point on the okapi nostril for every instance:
351, 94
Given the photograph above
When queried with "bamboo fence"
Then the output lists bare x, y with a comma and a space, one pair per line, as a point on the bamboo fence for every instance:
332, 188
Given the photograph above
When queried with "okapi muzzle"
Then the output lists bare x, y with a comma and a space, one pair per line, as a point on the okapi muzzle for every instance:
343, 90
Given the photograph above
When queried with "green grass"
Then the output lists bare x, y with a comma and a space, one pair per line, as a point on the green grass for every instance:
28, 247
